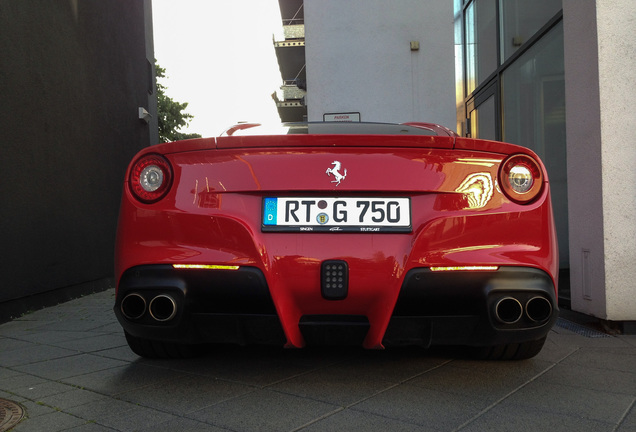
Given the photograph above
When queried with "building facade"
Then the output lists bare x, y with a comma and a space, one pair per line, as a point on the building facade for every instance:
291, 100
510, 84
551, 75
382, 62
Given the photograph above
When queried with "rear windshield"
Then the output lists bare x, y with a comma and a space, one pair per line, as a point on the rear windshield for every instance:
328, 128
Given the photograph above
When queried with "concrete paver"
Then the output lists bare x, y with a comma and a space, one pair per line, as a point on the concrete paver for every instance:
70, 368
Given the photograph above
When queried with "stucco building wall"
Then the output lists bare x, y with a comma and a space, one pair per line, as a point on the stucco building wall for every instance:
359, 59
600, 55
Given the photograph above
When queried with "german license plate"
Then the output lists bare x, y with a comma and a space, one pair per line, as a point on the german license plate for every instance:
340, 214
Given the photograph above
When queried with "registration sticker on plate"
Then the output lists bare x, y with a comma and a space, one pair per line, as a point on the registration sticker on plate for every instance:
348, 214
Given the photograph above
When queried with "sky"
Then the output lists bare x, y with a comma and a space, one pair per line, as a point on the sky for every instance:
220, 59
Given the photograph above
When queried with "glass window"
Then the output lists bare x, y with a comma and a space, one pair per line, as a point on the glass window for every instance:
483, 120
459, 66
481, 42
534, 116
534, 94
521, 19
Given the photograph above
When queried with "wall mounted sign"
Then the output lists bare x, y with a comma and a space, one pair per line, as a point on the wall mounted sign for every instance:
342, 117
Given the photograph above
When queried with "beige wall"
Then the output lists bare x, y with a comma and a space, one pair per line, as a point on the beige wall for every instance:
616, 27
600, 69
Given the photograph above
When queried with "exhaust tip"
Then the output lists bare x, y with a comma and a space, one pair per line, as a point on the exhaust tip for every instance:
133, 306
508, 310
163, 308
538, 309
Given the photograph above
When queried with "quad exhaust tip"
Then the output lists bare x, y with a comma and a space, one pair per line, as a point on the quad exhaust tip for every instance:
162, 307
133, 306
538, 309
509, 310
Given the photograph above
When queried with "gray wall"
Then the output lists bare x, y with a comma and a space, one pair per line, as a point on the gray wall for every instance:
72, 76
359, 59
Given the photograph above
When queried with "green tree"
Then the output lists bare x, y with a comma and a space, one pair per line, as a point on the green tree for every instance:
171, 115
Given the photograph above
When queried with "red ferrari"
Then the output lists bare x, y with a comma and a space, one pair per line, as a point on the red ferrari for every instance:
330, 233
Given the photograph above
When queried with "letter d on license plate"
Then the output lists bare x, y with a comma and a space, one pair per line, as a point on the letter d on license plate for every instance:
348, 214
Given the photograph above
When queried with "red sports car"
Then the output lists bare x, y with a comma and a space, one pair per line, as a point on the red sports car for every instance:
330, 233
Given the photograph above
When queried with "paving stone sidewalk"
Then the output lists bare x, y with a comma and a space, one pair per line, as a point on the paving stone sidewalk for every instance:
70, 369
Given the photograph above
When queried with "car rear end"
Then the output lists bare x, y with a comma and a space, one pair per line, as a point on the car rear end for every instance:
415, 236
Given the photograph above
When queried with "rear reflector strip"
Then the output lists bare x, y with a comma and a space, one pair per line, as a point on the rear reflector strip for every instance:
465, 268
204, 267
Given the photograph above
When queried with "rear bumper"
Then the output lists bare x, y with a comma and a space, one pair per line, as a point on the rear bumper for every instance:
476, 308
510, 305
211, 306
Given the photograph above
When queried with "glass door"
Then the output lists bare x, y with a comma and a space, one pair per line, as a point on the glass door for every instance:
482, 111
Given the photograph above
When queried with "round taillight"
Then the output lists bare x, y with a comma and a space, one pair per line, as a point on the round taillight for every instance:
150, 178
521, 178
